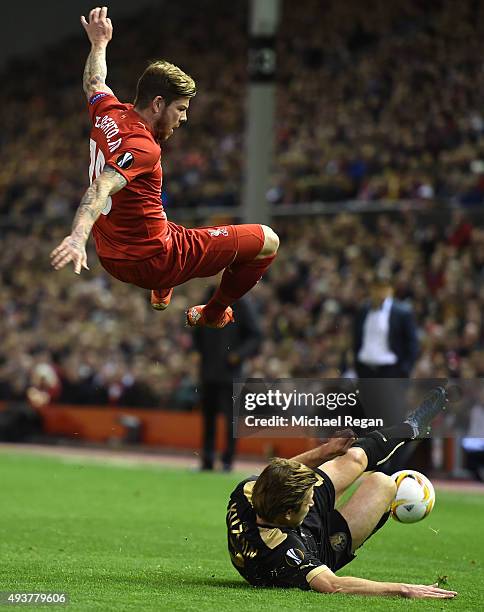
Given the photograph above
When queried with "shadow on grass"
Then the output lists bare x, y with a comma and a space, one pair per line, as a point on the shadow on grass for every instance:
158, 580
224, 583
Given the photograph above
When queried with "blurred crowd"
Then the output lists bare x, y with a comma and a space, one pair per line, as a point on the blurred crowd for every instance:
92, 339
381, 100
375, 101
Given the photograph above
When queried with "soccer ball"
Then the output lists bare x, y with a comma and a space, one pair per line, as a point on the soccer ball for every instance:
415, 496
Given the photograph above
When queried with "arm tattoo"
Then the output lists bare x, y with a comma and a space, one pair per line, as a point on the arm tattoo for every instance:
116, 180
88, 212
94, 200
95, 70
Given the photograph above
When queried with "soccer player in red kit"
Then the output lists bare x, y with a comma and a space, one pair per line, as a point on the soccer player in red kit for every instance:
134, 240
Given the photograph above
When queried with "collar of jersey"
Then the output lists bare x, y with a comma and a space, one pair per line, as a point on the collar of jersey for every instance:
140, 119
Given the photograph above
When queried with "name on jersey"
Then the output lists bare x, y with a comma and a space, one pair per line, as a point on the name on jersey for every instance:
237, 538
110, 129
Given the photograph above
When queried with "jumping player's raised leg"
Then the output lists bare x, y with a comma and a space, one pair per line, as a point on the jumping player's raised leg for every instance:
271, 243
160, 299
257, 249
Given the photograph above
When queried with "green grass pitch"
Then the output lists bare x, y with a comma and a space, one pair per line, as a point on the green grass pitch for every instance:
136, 537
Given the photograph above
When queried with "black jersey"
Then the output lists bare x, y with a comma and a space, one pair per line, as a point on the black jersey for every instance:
286, 556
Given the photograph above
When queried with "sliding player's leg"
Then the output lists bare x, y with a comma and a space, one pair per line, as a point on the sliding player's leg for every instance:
368, 508
374, 449
344, 470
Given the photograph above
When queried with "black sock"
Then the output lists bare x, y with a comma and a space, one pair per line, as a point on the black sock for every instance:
401, 431
380, 445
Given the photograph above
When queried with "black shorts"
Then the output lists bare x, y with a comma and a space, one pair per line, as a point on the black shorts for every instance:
329, 527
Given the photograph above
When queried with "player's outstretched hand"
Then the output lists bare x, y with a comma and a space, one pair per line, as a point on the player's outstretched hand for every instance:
431, 591
68, 250
99, 29
340, 443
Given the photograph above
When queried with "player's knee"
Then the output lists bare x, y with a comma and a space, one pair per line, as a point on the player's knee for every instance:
358, 456
271, 242
385, 484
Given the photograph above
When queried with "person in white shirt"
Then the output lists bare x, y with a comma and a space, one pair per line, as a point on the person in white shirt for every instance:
385, 335
385, 347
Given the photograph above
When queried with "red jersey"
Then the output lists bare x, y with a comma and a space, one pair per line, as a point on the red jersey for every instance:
133, 224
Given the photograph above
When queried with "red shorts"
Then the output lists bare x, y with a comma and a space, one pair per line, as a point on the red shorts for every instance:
190, 253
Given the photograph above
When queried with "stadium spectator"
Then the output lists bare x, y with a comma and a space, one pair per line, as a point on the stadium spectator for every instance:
385, 347
385, 335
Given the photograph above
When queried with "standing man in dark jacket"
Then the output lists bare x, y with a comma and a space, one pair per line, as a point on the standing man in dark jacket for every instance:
385, 346
223, 353
385, 335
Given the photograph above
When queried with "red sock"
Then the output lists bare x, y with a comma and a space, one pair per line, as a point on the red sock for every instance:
236, 281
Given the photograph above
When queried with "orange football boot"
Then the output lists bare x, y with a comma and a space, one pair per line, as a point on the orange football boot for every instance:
160, 300
196, 318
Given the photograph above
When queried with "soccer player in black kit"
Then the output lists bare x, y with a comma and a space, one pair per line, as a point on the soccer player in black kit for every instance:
284, 530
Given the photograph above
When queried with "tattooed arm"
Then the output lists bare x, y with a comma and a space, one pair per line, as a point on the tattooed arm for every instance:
73, 247
99, 31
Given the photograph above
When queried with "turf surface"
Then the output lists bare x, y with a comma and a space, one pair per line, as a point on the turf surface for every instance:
119, 537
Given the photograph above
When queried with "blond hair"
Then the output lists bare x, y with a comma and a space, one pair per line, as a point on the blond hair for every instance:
166, 80
282, 486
